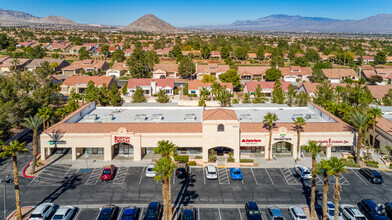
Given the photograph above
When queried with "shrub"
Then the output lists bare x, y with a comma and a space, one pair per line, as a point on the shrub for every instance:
230, 159
235, 101
192, 163
350, 157
370, 163
390, 166
198, 157
351, 163
246, 160
181, 158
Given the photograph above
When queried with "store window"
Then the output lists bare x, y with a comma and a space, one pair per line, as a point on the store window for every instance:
94, 150
221, 128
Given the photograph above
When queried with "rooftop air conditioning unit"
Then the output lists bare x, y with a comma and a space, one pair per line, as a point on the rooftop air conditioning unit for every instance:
140, 117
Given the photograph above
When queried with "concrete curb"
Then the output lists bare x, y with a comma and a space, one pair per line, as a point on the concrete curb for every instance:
25, 168
14, 212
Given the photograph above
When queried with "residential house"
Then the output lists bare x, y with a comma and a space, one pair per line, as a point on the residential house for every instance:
151, 86
63, 47
252, 55
80, 83
379, 91
215, 54
252, 72
75, 49
24, 44
57, 79
296, 73
193, 53
128, 52
386, 75
61, 63
311, 88
87, 65
338, 75
165, 70
7, 65
195, 86
266, 87
118, 69
211, 69
163, 52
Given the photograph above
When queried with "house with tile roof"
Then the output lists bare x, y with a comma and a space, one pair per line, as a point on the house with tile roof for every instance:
36, 63
339, 75
7, 65
165, 70
163, 52
210, 69
310, 88
296, 73
151, 86
379, 91
385, 74
383, 131
80, 83
215, 54
118, 69
195, 85
252, 72
266, 87
89, 65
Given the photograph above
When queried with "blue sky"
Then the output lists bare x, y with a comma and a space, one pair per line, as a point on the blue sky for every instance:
202, 12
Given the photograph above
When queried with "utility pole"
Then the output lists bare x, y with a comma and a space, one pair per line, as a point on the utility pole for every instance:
5, 181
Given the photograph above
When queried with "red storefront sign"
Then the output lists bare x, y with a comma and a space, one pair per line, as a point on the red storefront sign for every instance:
330, 141
122, 139
250, 140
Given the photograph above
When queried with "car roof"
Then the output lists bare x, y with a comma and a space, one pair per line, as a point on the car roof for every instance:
298, 211
376, 173
252, 205
276, 211
330, 205
370, 203
62, 210
236, 169
153, 205
211, 168
129, 210
355, 211
41, 207
188, 212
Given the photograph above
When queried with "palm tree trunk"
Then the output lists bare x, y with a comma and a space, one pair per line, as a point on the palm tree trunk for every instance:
169, 195
298, 141
325, 196
165, 200
17, 190
359, 140
269, 144
43, 125
337, 196
35, 152
313, 190
374, 134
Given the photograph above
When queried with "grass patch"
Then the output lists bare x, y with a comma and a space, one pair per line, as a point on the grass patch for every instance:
181, 158
198, 157
246, 160
351, 163
192, 163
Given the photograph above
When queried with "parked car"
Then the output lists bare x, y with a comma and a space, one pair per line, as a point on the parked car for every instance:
371, 210
388, 209
150, 170
108, 212
297, 213
274, 213
211, 172
154, 211
372, 175
64, 213
252, 211
108, 172
182, 170
236, 174
350, 212
331, 212
188, 213
130, 213
303, 172
43, 211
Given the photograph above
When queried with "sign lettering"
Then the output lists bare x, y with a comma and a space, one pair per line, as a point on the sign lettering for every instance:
330, 141
250, 140
122, 139
282, 139
57, 142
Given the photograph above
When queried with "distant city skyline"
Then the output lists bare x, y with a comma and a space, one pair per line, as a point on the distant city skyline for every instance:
192, 13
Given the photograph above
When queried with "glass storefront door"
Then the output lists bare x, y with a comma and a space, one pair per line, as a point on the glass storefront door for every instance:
123, 149
281, 147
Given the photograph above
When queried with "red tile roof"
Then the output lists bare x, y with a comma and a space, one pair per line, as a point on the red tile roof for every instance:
296, 70
167, 67
252, 85
196, 84
338, 73
219, 114
379, 91
252, 70
132, 83
98, 80
212, 68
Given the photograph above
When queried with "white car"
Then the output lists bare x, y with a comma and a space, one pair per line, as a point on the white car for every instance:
297, 213
331, 212
64, 213
42, 211
150, 170
350, 212
211, 172
303, 172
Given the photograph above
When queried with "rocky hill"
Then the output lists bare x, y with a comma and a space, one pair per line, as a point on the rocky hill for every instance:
150, 23
9, 17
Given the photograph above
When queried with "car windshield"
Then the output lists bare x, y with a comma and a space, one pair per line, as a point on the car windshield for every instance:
105, 172
149, 169
35, 215
306, 172
58, 217
278, 218
302, 217
212, 173
361, 218
237, 172
331, 212
254, 212
151, 213
127, 216
188, 217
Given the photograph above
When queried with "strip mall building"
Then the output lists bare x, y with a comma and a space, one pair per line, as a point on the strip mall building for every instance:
134, 131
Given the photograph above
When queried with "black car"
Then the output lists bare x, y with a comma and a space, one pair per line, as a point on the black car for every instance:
154, 211
108, 212
182, 170
252, 211
372, 175
388, 209
371, 210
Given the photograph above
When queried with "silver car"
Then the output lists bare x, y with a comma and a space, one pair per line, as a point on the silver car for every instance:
297, 213
331, 212
42, 211
64, 213
350, 212
303, 172
150, 170
211, 172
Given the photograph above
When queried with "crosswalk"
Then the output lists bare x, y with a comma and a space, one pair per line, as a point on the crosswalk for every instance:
223, 176
289, 177
94, 177
121, 175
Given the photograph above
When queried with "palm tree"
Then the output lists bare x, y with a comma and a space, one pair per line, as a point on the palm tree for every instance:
34, 123
224, 97
12, 151
166, 149
337, 167
269, 121
324, 168
45, 113
374, 113
339, 91
299, 122
314, 148
204, 93
15, 62
359, 120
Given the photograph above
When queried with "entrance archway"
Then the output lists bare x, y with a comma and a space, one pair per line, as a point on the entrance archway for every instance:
282, 147
220, 151
123, 149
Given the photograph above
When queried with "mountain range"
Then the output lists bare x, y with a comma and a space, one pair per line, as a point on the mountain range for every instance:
9, 17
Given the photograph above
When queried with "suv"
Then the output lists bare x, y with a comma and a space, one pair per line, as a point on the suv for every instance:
211, 172
188, 213
43, 211
154, 211
182, 170
150, 170
351, 213
297, 213
252, 211
388, 209
372, 175
274, 213
331, 212
371, 210
107, 212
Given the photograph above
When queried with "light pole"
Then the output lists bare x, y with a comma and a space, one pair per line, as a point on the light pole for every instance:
4, 181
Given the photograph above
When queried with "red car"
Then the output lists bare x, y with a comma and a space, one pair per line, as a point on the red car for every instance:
108, 172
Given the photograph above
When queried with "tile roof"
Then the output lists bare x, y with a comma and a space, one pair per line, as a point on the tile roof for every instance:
252, 70
312, 87
296, 70
167, 67
212, 68
252, 85
7, 62
338, 73
378, 91
384, 124
132, 83
98, 80
309, 127
83, 64
119, 66
219, 114
38, 62
196, 84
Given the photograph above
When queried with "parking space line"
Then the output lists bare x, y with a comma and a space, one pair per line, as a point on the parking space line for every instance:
344, 181
269, 176
174, 177
289, 177
119, 214
33, 179
121, 175
77, 215
141, 214
359, 177
204, 175
94, 177
220, 217
223, 176
251, 169
239, 212
319, 181
141, 176
198, 213
387, 173
44, 177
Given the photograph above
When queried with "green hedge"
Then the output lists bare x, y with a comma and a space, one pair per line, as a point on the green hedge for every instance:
373, 164
181, 158
192, 163
350, 157
351, 163
390, 166
198, 157
246, 160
